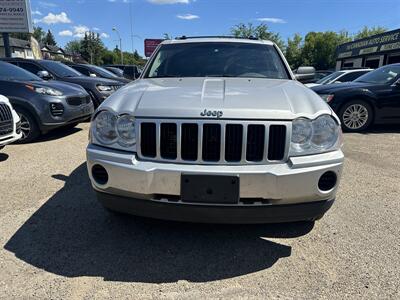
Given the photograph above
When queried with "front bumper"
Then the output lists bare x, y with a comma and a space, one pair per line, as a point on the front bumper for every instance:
5, 140
291, 183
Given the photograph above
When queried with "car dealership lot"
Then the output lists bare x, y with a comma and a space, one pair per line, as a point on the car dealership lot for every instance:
58, 242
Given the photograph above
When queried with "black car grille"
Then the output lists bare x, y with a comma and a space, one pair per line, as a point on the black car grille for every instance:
6, 120
212, 142
76, 101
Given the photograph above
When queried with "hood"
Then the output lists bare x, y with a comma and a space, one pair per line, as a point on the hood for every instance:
93, 80
236, 98
66, 88
338, 87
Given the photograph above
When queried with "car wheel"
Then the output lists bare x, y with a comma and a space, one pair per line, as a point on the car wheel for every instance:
356, 116
29, 128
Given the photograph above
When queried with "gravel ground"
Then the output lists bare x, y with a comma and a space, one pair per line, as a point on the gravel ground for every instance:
57, 242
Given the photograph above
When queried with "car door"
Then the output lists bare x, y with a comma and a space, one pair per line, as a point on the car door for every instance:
388, 101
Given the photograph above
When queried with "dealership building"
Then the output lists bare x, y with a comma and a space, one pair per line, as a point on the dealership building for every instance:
372, 52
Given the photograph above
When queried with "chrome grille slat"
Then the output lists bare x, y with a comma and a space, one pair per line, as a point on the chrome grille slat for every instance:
197, 126
6, 120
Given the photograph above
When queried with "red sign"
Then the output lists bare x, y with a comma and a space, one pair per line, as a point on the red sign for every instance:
150, 45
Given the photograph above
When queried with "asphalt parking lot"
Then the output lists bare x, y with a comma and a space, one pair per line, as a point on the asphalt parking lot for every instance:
57, 242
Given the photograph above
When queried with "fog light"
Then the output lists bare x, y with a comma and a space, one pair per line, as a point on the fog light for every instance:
56, 109
327, 181
99, 174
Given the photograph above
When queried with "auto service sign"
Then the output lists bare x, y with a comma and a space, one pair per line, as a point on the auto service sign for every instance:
150, 45
15, 16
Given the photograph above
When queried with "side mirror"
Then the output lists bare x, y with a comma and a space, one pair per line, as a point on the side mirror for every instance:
44, 75
304, 74
92, 75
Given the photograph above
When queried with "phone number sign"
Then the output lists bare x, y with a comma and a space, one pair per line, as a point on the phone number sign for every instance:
15, 16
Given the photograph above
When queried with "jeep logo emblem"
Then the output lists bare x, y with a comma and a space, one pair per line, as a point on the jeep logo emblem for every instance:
212, 113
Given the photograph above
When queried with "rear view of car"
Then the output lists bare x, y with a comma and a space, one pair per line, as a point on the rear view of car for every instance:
10, 125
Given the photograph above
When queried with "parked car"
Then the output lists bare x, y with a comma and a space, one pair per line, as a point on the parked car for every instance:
340, 76
98, 88
130, 71
371, 99
10, 125
42, 105
116, 71
216, 130
96, 71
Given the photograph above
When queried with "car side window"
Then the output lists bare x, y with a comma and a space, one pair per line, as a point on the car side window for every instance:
350, 76
84, 71
30, 67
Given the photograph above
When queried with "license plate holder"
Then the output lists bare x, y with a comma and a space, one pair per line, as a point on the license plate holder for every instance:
213, 189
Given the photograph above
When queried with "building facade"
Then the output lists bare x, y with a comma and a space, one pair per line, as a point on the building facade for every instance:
372, 52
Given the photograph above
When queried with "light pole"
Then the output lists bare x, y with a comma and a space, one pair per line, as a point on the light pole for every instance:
120, 44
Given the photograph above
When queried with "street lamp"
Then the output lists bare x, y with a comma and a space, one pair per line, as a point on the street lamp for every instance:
120, 44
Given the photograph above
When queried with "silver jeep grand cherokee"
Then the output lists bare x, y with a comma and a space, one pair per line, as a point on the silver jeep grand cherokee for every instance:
216, 130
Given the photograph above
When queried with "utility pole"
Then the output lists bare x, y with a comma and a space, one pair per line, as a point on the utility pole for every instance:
131, 19
120, 45
6, 41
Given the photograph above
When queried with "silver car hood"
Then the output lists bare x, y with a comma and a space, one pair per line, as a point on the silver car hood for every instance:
236, 98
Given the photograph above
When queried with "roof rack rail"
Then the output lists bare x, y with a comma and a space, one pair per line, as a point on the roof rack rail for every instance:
184, 37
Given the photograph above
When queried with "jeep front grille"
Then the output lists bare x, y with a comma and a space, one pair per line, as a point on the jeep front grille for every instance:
213, 141
6, 120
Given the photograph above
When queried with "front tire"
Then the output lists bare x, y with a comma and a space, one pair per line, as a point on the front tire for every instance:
29, 128
356, 116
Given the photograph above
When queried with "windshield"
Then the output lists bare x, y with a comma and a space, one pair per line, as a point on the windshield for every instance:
217, 60
384, 75
60, 69
116, 71
329, 78
103, 72
11, 72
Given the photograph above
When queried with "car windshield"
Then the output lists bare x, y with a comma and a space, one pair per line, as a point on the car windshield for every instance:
60, 69
217, 60
329, 78
116, 71
103, 72
383, 75
11, 72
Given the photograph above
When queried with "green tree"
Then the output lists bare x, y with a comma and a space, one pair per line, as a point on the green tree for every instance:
261, 31
319, 48
294, 51
73, 47
49, 39
38, 34
367, 32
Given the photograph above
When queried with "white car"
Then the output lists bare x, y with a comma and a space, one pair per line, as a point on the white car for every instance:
340, 76
216, 130
10, 126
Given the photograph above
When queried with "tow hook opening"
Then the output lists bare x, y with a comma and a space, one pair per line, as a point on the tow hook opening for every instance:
100, 174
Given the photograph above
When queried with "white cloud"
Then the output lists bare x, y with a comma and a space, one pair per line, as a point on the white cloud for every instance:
47, 4
272, 20
36, 12
79, 31
169, 1
188, 17
65, 33
96, 28
55, 18
104, 35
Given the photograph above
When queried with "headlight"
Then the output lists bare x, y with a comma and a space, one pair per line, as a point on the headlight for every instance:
111, 129
104, 88
126, 130
327, 97
104, 128
315, 136
45, 90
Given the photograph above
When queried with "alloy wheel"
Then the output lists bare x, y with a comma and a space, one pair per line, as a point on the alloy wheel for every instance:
355, 116
25, 126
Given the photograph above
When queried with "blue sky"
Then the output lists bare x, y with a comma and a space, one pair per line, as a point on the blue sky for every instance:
69, 19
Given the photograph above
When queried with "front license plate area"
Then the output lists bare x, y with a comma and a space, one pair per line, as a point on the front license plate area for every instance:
210, 189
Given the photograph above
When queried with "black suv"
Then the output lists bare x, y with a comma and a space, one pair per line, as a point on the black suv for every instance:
98, 88
371, 98
42, 105
96, 71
